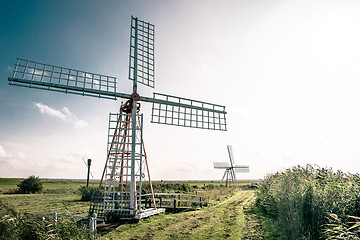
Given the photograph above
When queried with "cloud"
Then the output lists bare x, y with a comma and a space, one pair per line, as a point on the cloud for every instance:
21, 155
58, 137
3, 154
64, 114
46, 110
6, 157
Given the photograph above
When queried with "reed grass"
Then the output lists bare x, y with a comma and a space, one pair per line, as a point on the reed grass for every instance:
303, 199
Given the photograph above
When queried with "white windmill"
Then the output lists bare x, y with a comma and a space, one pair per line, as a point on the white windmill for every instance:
230, 169
126, 163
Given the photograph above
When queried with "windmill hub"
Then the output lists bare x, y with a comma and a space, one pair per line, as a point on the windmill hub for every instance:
135, 96
128, 106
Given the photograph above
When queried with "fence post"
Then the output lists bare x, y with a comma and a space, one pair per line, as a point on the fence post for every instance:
92, 223
200, 201
55, 218
174, 204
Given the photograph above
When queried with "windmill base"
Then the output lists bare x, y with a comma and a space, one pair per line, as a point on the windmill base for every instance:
97, 206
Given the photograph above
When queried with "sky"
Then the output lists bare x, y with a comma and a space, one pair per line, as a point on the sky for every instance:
287, 72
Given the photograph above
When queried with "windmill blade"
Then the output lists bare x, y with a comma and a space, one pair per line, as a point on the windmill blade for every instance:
141, 62
221, 165
231, 156
185, 112
49, 77
241, 169
84, 162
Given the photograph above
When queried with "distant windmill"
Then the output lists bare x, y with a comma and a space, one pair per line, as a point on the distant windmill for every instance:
126, 164
230, 169
88, 164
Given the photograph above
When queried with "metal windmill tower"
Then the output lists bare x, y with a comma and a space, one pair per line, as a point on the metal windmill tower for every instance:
230, 169
126, 164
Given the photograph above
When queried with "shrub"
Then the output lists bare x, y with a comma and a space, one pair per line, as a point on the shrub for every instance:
30, 185
87, 193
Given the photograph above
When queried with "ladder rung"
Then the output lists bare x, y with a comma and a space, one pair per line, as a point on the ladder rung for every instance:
111, 192
117, 200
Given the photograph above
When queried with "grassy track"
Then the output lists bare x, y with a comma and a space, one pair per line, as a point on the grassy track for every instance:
224, 220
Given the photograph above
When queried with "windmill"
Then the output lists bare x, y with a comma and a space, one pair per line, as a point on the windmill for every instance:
126, 163
230, 169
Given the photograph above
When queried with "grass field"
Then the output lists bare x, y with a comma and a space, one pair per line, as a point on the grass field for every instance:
59, 196
225, 216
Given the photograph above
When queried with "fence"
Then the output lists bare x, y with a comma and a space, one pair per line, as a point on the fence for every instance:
174, 200
92, 220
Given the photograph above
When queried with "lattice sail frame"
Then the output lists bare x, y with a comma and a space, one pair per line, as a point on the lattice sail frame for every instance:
60, 79
226, 165
141, 61
221, 165
187, 113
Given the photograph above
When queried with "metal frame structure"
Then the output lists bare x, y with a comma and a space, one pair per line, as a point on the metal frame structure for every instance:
126, 158
230, 169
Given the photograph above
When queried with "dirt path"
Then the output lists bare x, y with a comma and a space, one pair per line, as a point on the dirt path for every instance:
227, 220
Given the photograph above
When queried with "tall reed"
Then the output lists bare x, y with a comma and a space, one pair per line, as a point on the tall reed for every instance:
302, 199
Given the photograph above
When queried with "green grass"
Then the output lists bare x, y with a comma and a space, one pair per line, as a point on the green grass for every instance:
223, 220
59, 196
32, 204
227, 215
7, 184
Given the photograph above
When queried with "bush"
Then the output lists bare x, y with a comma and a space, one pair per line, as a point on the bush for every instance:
87, 193
30, 185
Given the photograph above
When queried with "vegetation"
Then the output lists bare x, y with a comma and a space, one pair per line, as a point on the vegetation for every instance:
14, 226
224, 220
30, 185
299, 203
61, 196
311, 203
87, 192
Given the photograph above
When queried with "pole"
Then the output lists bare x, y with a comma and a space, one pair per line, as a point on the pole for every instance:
88, 173
133, 126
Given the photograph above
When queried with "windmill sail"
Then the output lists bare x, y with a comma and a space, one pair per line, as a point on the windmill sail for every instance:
141, 65
221, 165
231, 156
241, 169
54, 78
185, 112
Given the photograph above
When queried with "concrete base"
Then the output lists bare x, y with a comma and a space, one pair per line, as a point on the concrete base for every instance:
149, 212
